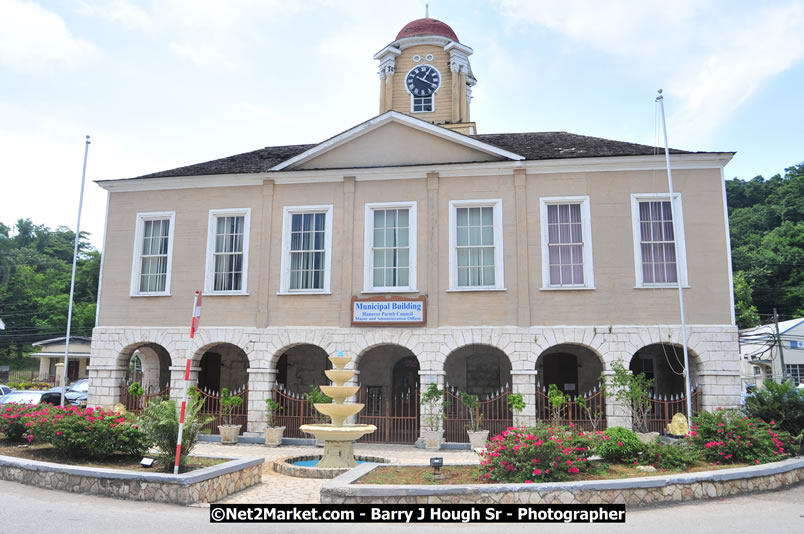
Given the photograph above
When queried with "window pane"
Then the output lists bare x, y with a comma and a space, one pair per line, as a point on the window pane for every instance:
379, 238
404, 258
463, 216
402, 237
403, 274
403, 218
462, 236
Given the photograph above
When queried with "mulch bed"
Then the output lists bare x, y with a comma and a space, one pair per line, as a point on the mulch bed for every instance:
45, 452
469, 474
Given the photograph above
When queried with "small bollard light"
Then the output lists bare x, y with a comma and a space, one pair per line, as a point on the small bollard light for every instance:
147, 462
437, 463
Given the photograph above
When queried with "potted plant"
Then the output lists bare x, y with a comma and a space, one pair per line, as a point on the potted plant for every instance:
557, 400
273, 433
432, 413
477, 436
229, 432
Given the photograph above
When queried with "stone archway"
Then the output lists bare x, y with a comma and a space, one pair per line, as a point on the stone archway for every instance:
151, 366
301, 367
478, 369
573, 368
389, 388
223, 365
664, 363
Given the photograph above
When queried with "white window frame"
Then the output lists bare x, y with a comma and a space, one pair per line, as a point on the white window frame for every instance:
209, 276
368, 253
284, 279
586, 225
680, 241
499, 281
136, 262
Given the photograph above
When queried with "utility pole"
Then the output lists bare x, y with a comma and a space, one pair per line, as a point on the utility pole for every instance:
779, 342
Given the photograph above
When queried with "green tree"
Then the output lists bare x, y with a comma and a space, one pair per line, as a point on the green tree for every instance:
745, 311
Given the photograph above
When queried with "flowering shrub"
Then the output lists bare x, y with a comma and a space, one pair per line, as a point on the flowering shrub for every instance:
674, 456
89, 433
539, 454
17, 420
618, 444
727, 436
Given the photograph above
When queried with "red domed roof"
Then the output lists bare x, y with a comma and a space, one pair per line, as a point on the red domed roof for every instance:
427, 27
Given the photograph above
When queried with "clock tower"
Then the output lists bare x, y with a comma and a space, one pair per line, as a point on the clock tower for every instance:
426, 73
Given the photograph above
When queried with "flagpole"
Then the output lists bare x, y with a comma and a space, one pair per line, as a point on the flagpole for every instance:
194, 323
72, 278
660, 100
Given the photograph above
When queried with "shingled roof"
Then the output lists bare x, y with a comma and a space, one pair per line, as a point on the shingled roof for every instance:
533, 146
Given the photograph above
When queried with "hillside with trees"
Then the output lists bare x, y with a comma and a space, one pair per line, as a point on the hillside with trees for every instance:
35, 267
766, 219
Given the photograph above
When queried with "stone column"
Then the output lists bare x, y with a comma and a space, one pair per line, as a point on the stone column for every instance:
616, 413
524, 383
177, 380
104, 385
522, 270
260, 384
347, 250
264, 263
44, 368
455, 68
432, 250
427, 378
383, 108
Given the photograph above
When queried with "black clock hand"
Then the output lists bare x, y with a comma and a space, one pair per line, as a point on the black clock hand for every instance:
426, 81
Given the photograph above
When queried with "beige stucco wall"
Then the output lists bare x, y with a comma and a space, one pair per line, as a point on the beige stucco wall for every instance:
395, 144
613, 301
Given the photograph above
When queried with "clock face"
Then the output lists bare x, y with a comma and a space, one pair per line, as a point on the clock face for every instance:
423, 80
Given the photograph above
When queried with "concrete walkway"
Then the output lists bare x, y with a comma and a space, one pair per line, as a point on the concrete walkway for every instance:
282, 489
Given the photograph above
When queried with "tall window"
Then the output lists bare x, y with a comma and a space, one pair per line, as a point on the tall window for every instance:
227, 251
476, 244
566, 243
307, 249
153, 247
390, 247
655, 242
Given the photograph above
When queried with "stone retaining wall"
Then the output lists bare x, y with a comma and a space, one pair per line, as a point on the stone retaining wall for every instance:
632, 492
203, 485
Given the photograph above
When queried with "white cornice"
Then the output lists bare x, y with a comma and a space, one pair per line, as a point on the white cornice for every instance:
182, 182
412, 172
388, 50
400, 118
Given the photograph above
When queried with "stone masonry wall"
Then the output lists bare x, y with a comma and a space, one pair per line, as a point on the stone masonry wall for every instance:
714, 354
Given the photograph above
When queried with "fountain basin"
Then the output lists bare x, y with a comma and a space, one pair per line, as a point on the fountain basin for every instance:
339, 393
286, 466
339, 377
337, 412
332, 432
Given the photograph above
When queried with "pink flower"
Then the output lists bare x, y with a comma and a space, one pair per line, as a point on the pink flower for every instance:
537, 472
620, 443
574, 470
58, 433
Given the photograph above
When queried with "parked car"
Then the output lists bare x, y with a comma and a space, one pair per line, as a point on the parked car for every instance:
31, 397
77, 393
4, 389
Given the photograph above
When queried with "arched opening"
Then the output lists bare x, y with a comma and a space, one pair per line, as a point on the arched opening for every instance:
389, 388
575, 371
149, 364
664, 364
223, 366
301, 367
480, 370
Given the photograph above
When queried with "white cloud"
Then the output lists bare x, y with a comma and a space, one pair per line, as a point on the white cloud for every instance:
119, 11
32, 37
710, 57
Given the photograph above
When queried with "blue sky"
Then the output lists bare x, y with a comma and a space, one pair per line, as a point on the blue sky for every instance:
164, 83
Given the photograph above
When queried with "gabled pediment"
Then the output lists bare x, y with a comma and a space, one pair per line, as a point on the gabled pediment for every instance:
395, 139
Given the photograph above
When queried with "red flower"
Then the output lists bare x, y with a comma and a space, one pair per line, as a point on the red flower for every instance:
574, 470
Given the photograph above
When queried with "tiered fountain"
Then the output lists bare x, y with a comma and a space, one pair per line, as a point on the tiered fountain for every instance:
337, 436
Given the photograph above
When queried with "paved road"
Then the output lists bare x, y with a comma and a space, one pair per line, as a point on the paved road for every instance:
28, 509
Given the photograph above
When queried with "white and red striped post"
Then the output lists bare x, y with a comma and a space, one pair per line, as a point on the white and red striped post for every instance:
193, 327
